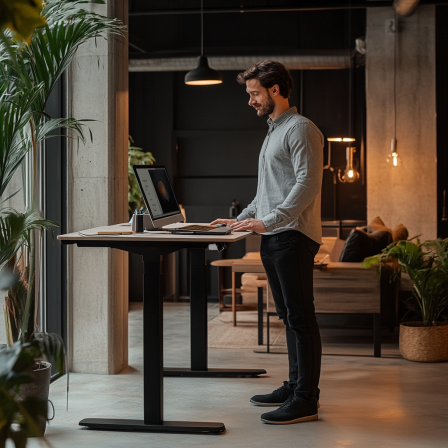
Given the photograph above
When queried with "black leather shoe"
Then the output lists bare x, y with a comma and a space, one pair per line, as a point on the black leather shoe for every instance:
293, 410
276, 398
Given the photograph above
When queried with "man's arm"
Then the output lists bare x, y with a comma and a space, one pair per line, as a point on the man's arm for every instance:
306, 148
249, 211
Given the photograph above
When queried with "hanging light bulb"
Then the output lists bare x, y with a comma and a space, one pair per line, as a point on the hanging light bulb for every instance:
393, 159
203, 75
350, 174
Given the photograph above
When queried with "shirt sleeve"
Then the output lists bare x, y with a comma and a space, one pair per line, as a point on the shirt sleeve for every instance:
249, 212
306, 150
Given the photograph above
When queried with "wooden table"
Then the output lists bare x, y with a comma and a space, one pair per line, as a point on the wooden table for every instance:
246, 265
339, 288
151, 246
221, 265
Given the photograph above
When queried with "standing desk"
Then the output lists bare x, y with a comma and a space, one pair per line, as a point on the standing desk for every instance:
151, 246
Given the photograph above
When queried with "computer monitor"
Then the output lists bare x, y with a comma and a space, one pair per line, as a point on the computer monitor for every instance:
158, 195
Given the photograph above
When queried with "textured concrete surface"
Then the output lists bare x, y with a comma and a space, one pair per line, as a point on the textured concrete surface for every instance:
366, 402
406, 194
97, 89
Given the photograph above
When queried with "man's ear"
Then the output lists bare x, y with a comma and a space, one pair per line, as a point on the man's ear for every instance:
275, 89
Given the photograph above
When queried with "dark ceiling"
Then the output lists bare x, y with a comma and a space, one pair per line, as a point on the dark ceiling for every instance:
242, 33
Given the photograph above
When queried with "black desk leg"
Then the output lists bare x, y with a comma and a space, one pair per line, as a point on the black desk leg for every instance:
260, 315
153, 368
377, 335
198, 309
198, 323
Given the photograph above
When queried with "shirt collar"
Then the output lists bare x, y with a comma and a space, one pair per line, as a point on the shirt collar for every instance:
282, 117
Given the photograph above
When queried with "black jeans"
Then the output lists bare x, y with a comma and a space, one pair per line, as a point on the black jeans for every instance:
288, 258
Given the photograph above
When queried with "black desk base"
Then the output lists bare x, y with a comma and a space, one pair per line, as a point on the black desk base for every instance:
153, 371
212, 373
110, 424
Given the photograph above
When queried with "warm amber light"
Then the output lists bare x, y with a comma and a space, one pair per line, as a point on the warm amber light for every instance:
340, 139
204, 82
350, 173
395, 161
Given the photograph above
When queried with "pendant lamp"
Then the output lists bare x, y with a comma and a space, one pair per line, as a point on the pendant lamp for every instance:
203, 75
393, 159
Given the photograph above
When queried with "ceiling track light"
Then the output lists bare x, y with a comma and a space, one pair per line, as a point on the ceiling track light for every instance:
203, 75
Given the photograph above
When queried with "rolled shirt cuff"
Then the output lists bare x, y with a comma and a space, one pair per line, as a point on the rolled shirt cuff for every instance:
271, 222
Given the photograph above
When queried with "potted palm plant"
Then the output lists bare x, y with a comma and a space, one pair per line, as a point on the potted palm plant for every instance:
427, 266
28, 74
18, 416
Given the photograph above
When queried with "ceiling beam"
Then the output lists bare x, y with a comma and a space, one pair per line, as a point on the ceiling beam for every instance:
305, 6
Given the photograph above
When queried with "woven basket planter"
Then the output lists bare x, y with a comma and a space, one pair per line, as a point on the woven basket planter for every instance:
424, 344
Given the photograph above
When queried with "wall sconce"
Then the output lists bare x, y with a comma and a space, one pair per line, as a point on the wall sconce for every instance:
394, 160
350, 174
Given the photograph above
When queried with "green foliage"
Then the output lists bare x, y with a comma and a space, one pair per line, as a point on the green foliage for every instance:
427, 266
136, 156
16, 368
28, 74
22, 17
16, 238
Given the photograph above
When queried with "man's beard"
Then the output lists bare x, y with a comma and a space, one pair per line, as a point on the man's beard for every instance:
268, 108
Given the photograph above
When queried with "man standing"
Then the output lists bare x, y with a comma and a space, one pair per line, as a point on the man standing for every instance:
286, 212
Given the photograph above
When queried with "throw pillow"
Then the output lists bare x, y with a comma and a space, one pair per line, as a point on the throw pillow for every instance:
360, 245
400, 233
377, 225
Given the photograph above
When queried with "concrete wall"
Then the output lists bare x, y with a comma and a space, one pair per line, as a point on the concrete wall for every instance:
97, 195
406, 194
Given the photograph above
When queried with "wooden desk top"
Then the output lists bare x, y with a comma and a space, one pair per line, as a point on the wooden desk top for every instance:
92, 235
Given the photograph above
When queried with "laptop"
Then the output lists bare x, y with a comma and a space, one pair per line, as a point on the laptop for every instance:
163, 212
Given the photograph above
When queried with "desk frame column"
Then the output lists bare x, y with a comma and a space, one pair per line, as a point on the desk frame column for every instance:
198, 309
152, 331
199, 324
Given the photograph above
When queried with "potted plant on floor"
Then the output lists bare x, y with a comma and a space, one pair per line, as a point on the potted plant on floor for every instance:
18, 417
28, 74
427, 266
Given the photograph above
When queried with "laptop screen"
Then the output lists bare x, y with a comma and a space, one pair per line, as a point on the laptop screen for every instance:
156, 190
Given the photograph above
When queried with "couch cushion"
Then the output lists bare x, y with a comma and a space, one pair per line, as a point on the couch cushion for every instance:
377, 225
400, 233
360, 245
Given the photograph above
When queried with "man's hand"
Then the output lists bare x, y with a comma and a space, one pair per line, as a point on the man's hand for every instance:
253, 225
227, 222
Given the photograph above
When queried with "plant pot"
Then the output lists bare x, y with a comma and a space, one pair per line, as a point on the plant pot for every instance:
424, 344
39, 388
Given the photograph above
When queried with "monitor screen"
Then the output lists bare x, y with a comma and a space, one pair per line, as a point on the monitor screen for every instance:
156, 190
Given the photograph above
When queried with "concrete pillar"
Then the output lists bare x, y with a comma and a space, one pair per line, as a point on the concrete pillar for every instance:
406, 194
97, 88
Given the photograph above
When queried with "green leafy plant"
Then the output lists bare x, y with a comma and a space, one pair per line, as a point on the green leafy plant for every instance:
18, 415
16, 231
427, 266
136, 156
28, 74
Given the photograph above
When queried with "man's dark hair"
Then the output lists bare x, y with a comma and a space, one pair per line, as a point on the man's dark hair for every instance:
269, 73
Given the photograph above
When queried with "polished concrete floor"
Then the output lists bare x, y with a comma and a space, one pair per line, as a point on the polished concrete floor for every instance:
366, 402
